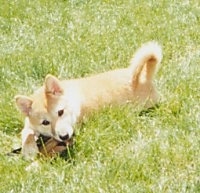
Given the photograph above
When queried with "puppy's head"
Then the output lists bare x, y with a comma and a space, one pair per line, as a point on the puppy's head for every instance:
62, 106
34, 108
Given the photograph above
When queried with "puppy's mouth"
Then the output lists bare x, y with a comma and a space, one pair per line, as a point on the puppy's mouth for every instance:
65, 142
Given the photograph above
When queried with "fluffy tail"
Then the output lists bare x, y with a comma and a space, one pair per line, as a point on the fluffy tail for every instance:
145, 62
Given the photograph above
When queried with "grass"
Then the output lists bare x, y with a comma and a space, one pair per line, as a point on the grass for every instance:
117, 149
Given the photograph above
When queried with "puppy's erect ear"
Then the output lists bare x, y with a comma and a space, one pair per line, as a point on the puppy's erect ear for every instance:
24, 104
52, 86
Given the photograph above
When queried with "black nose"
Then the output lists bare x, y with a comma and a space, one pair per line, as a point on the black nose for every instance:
64, 137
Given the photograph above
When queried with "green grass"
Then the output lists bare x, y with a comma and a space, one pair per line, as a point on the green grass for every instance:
117, 149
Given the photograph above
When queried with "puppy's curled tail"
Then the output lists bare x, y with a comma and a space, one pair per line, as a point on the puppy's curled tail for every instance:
145, 62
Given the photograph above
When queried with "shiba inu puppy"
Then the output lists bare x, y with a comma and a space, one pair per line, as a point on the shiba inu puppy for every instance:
58, 105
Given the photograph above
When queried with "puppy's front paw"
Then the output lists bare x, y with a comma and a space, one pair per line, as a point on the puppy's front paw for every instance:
30, 151
29, 147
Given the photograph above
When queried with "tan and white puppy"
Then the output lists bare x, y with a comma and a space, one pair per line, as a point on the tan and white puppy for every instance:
58, 105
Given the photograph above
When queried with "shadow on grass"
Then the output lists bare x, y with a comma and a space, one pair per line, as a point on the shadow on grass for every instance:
149, 111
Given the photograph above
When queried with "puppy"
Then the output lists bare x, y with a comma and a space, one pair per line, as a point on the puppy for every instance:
58, 105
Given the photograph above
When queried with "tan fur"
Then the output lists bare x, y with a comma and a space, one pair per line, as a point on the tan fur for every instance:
76, 97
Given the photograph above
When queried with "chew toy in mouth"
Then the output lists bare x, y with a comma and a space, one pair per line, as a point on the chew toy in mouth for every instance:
49, 146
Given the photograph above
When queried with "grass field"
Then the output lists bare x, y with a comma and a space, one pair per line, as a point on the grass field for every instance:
117, 149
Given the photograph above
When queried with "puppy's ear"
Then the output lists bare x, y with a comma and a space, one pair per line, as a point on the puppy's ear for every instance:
53, 86
24, 104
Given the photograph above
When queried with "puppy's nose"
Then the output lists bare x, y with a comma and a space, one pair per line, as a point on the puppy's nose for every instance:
64, 137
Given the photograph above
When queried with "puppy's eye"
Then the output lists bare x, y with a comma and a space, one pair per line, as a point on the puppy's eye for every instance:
45, 122
60, 112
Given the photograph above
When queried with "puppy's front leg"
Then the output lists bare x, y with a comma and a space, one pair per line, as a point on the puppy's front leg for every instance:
29, 146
